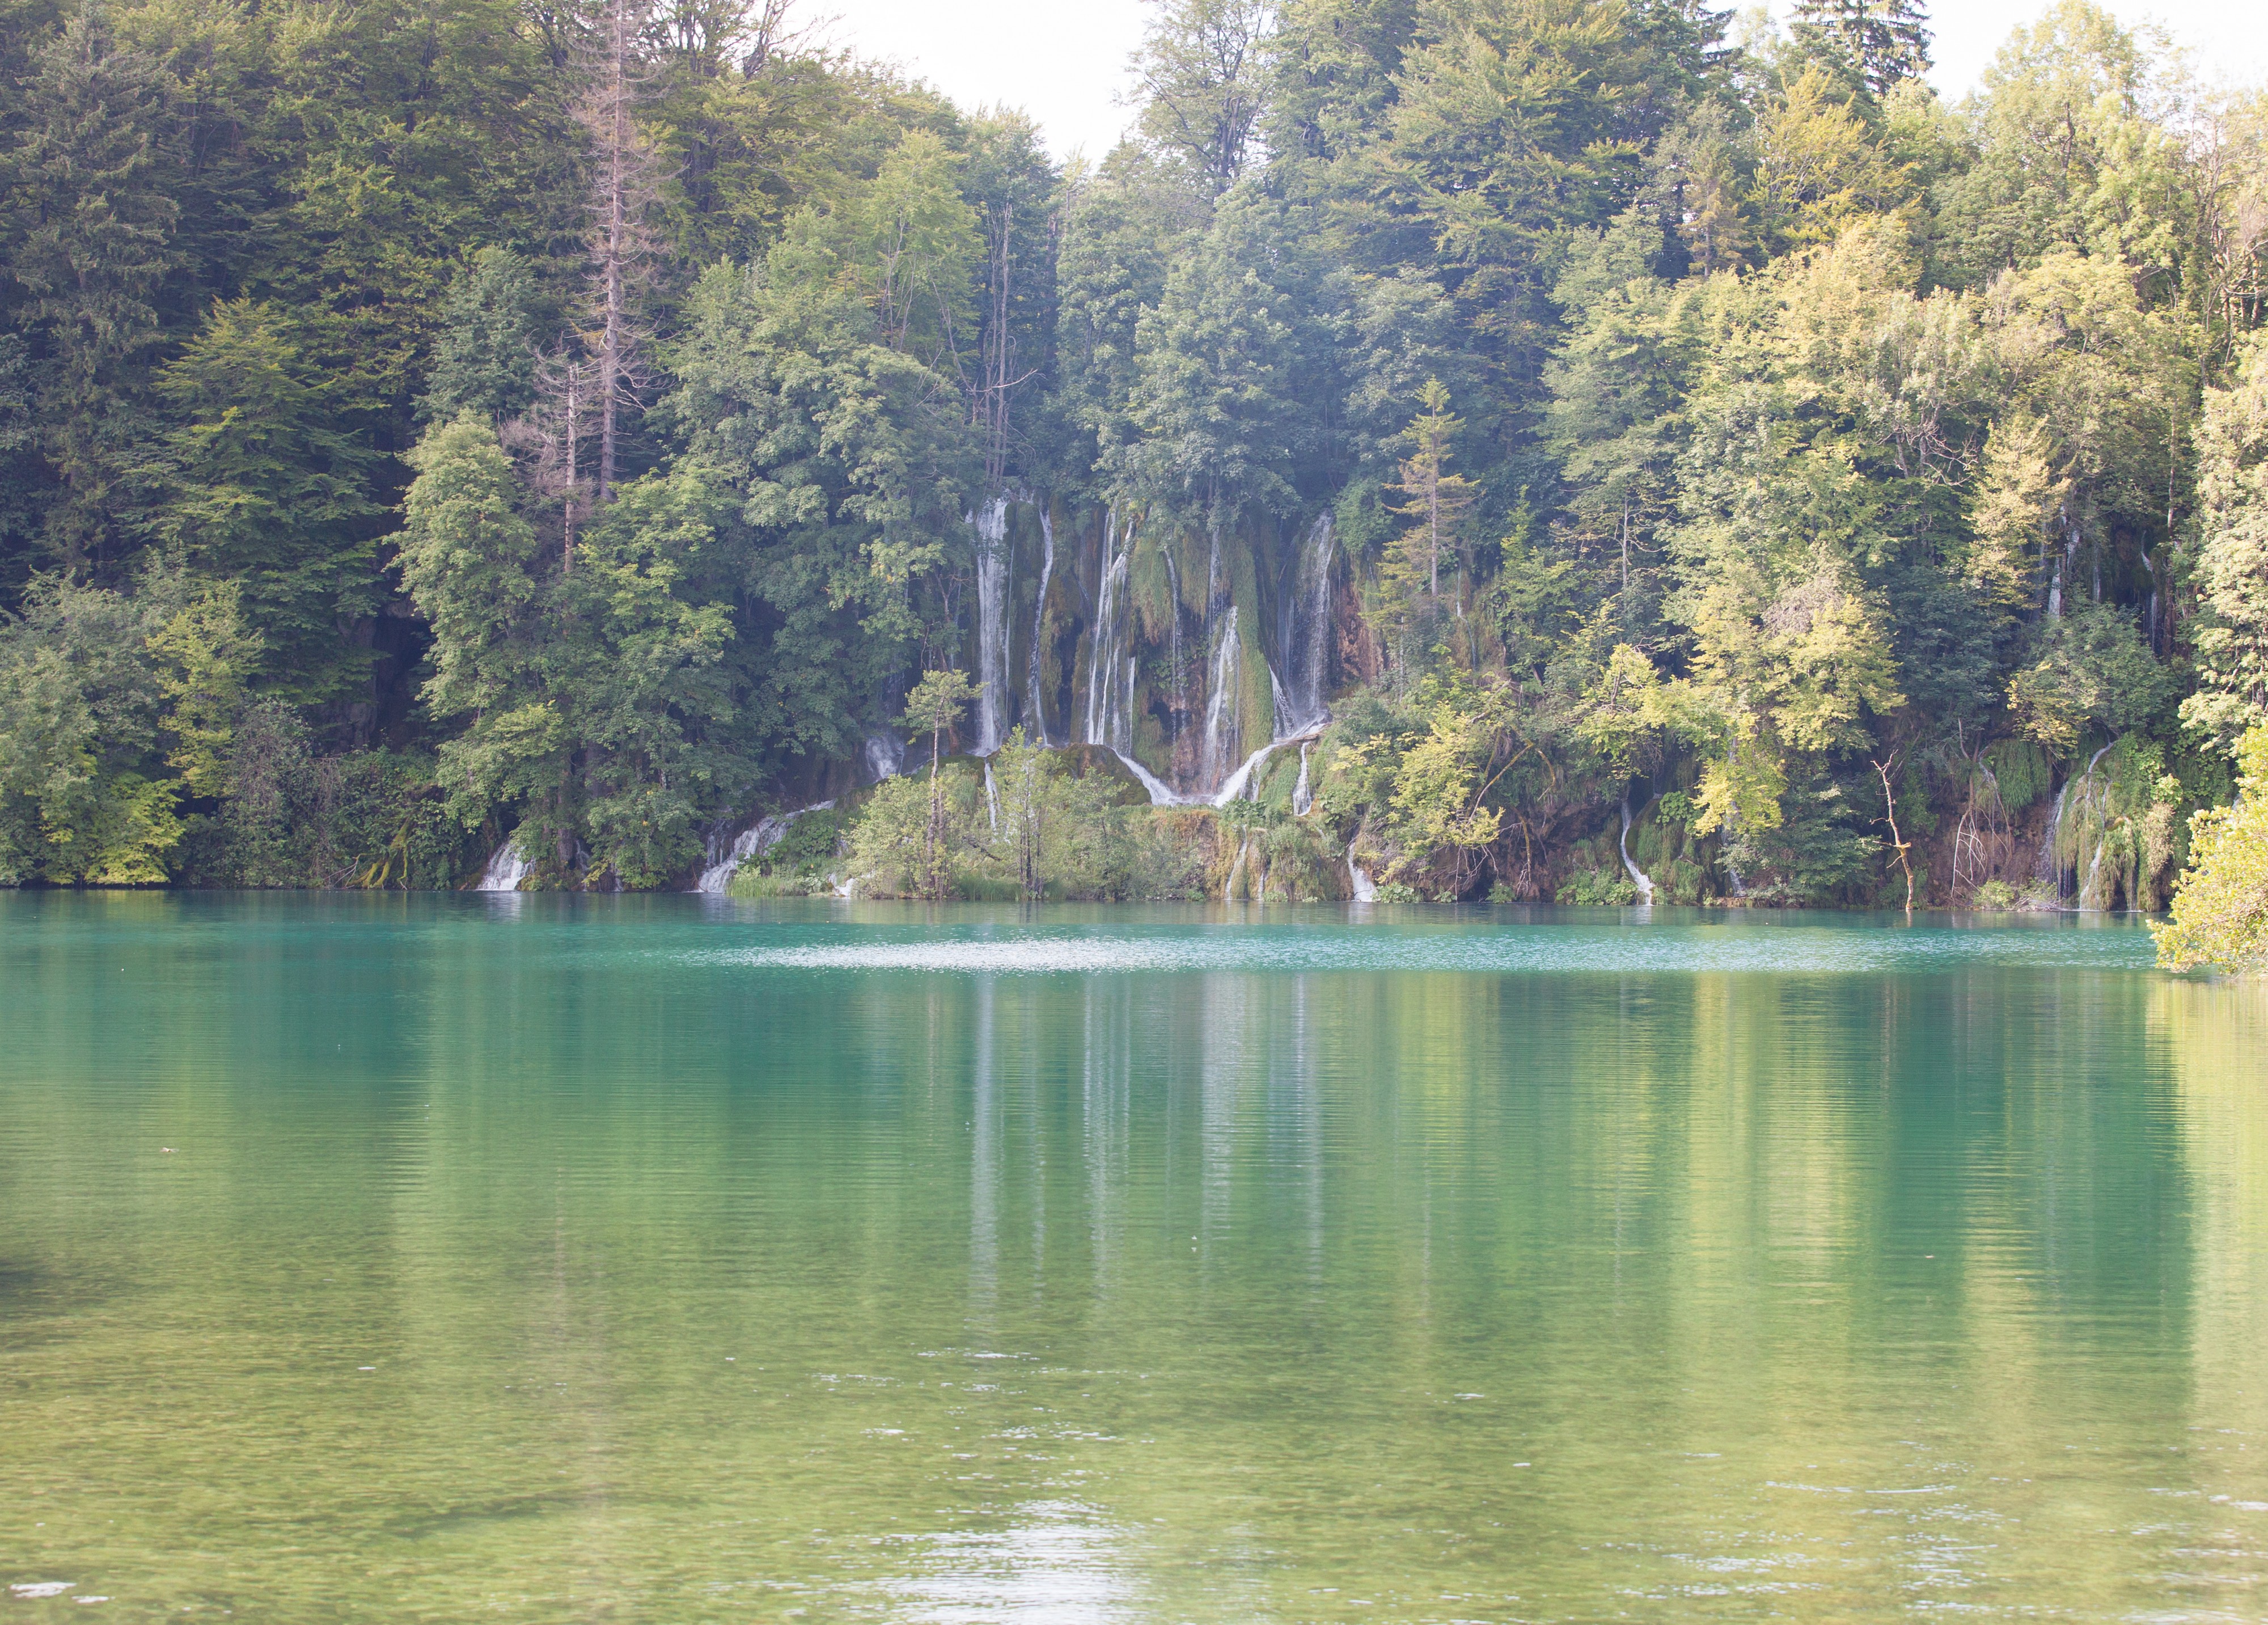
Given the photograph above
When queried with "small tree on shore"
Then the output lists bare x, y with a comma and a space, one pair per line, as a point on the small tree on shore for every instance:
934, 705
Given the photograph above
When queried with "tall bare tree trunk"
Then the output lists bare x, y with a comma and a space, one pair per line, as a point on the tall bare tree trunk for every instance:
622, 186
614, 244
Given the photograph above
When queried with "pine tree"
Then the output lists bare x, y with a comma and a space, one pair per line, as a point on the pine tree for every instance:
1887, 40
1433, 497
936, 704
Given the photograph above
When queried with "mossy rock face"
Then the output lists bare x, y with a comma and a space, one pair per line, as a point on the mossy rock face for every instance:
1152, 588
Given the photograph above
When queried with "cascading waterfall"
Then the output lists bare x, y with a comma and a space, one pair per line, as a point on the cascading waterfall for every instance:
1110, 663
505, 869
2049, 866
991, 797
1366, 889
992, 563
1223, 730
1110, 717
886, 755
1035, 704
1638, 876
1303, 799
753, 841
1306, 632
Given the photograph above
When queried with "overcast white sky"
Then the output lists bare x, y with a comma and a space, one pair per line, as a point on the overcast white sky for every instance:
1064, 61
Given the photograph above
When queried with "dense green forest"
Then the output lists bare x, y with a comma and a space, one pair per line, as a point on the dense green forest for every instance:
1454, 449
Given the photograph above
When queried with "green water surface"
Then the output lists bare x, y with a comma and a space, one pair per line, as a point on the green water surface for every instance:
620, 1259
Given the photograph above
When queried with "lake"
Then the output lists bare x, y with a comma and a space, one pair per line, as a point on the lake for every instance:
629, 1259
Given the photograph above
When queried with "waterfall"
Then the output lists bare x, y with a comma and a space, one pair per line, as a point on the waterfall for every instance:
2045, 867
2049, 866
886, 754
1366, 889
1224, 722
1110, 663
1303, 800
1035, 704
991, 797
753, 841
1172, 645
992, 562
1306, 641
1161, 794
506, 868
1638, 876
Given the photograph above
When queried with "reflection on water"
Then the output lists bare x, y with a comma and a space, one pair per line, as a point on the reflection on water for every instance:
622, 1258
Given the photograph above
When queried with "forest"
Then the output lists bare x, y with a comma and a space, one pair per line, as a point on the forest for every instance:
1457, 449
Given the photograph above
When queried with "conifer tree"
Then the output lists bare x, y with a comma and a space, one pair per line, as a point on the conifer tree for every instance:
1886, 41
934, 705
1433, 497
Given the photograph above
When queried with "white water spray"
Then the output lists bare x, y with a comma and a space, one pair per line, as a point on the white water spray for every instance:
1035, 705
992, 562
1224, 720
1638, 876
1366, 889
506, 868
752, 843
886, 755
1110, 665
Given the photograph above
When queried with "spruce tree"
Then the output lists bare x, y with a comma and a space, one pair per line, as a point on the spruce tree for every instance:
1886, 41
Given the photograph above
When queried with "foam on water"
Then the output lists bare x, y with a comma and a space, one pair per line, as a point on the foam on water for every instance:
1519, 950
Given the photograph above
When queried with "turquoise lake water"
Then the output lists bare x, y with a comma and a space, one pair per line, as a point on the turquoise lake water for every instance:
629, 1259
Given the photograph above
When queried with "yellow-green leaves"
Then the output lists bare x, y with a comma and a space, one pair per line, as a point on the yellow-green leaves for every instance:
205, 654
2221, 909
2232, 633
1819, 166
2017, 497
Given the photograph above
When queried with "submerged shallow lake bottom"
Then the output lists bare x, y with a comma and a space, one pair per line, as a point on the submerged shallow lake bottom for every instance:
621, 1259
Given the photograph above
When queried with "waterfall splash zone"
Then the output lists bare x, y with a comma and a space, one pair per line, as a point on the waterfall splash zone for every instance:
759, 838
505, 868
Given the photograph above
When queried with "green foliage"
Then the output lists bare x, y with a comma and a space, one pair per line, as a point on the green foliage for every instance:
484, 358
1596, 887
2089, 668
1801, 422
2220, 907
82, 797
2232, 640
804, 861
255, 485
2019, 773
